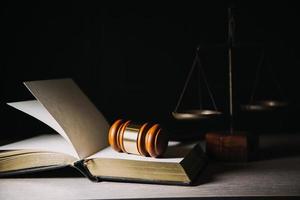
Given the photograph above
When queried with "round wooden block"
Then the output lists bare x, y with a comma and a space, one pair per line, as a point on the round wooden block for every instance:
237, 146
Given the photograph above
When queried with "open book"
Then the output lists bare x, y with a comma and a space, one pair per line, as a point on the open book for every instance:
82, 142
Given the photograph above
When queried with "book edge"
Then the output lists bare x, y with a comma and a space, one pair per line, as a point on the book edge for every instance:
185, 171
31, 170
198, 152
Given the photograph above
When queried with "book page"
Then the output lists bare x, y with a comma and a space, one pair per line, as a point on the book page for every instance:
175, 153
81, 121
49, 142
35, 109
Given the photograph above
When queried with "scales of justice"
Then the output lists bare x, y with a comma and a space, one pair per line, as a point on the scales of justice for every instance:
228, 145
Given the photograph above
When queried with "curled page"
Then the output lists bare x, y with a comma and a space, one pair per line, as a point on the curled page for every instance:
35, 109
64, 107
84, 125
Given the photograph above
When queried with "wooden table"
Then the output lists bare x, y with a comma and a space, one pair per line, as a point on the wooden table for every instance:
275, 174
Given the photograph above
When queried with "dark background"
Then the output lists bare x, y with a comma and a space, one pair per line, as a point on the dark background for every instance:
132, 59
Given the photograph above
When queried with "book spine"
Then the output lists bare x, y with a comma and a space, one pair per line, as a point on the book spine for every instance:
80, 166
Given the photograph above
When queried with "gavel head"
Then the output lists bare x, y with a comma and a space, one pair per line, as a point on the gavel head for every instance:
141, 139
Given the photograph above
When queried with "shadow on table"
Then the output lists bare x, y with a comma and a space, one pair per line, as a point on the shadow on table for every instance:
64, 172
233, 198
272, 149
214, 169
279, 146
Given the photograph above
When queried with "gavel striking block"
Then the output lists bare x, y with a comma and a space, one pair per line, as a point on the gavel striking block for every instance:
142, 139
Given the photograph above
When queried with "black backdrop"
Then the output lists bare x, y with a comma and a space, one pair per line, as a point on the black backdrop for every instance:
132, 59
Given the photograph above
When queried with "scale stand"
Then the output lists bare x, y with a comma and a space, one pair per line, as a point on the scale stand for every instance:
231, 145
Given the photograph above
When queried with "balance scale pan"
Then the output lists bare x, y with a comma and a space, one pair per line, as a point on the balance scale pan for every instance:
195, 114
265, 105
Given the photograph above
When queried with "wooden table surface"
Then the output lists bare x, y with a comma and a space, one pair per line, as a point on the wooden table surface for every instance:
275, 174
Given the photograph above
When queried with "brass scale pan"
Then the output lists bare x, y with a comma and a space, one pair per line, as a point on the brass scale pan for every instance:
195, 114
264, 105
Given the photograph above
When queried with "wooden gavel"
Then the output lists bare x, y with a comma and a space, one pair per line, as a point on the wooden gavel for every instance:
142, 139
